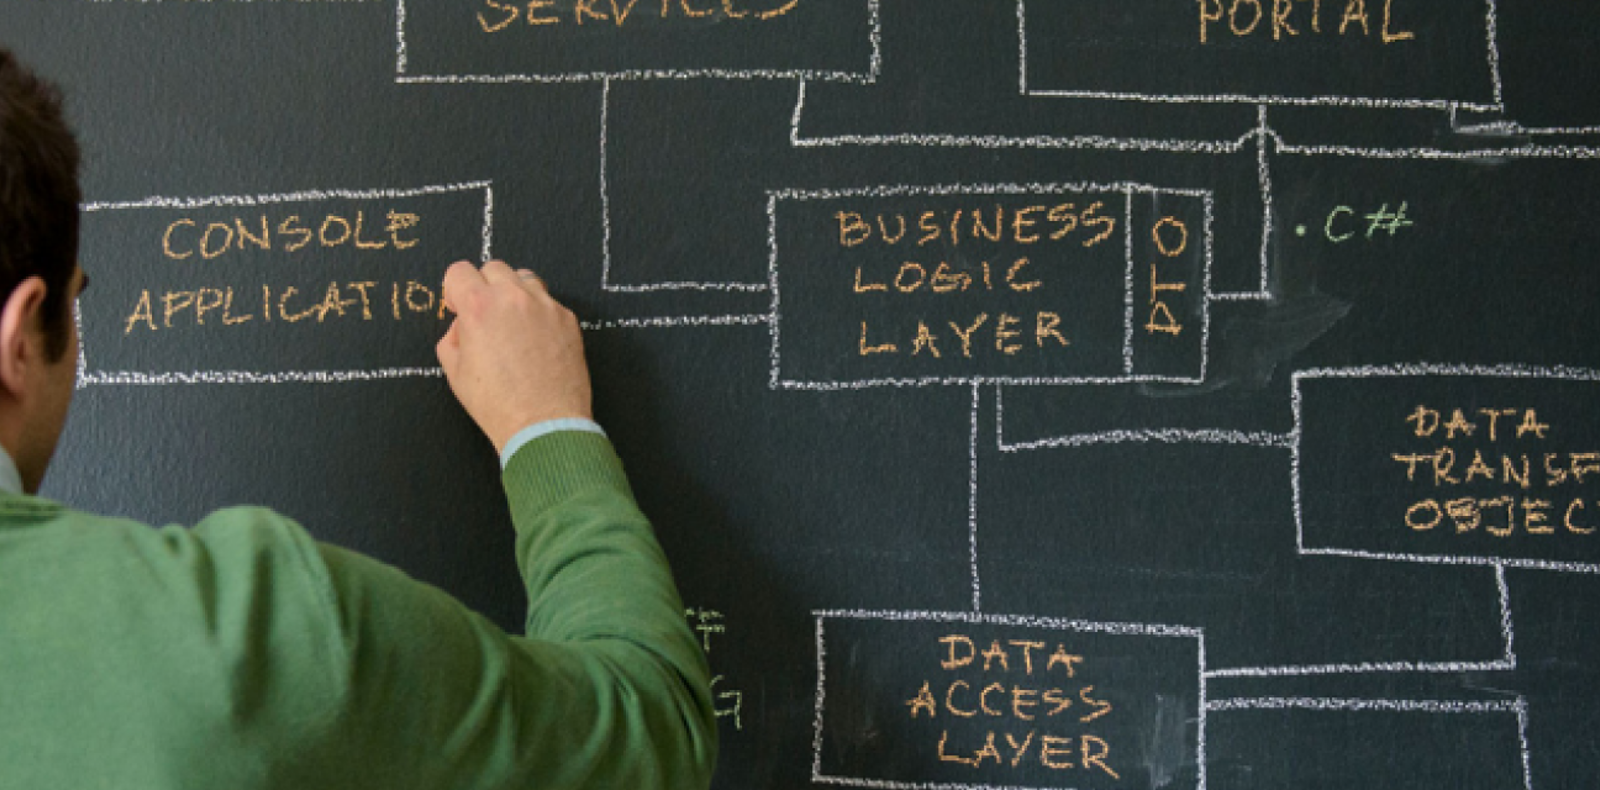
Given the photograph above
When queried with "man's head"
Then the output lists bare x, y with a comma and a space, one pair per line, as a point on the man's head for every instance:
39, 274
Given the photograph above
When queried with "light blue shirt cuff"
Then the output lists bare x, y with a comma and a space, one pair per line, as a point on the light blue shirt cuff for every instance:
545, 428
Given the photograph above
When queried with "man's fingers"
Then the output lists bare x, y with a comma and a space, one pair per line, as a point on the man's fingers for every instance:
513, 354
461, 278
499, 272
448, 348
532, 282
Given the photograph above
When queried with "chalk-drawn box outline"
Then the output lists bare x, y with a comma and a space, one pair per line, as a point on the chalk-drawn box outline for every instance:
874, 65
1492, 53
87, 377
1517, 707
1127, 189
1421, 370
1020, 621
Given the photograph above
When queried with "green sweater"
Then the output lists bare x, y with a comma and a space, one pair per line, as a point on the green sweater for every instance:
243, 654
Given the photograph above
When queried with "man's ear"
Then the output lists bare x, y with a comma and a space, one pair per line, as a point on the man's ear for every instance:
21, 349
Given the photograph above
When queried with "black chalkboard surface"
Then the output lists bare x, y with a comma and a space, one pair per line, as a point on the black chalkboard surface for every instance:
1033, 393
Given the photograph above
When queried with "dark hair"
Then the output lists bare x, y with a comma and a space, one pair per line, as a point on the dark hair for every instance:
39, 195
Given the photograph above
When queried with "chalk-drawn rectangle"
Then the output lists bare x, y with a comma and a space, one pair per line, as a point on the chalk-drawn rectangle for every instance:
494, 41
1378, 53
1010, 283
935, 700
1344, 742
1465, 465
310, 286
1169, 258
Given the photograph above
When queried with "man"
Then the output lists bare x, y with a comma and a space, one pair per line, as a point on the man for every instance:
242, 654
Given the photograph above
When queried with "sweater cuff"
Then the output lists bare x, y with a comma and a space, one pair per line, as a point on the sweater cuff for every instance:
537, 430
551, 468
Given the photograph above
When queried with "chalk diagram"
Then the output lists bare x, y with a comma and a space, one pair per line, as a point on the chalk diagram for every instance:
1154, 283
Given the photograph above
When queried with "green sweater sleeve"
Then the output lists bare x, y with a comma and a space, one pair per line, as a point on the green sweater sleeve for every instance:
608, 687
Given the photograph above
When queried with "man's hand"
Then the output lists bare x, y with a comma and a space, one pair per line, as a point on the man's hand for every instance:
513, 355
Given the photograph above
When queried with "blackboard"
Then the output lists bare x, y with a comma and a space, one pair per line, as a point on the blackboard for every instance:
1094, 394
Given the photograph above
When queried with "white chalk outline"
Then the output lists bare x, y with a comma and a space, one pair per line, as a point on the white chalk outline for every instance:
88, 378
1556, 130
1212, 436
1022, 48
972, 501
1128, 302
1492, 30
1492, 47
1020, 621
1505, 663
1154, 436
133, 378
1428, 153
1417, 370
874, 66
1067, 142
1518, 706
675, 322
1507, 660
1264, 133
1363, 704
776, 379
1217, 147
